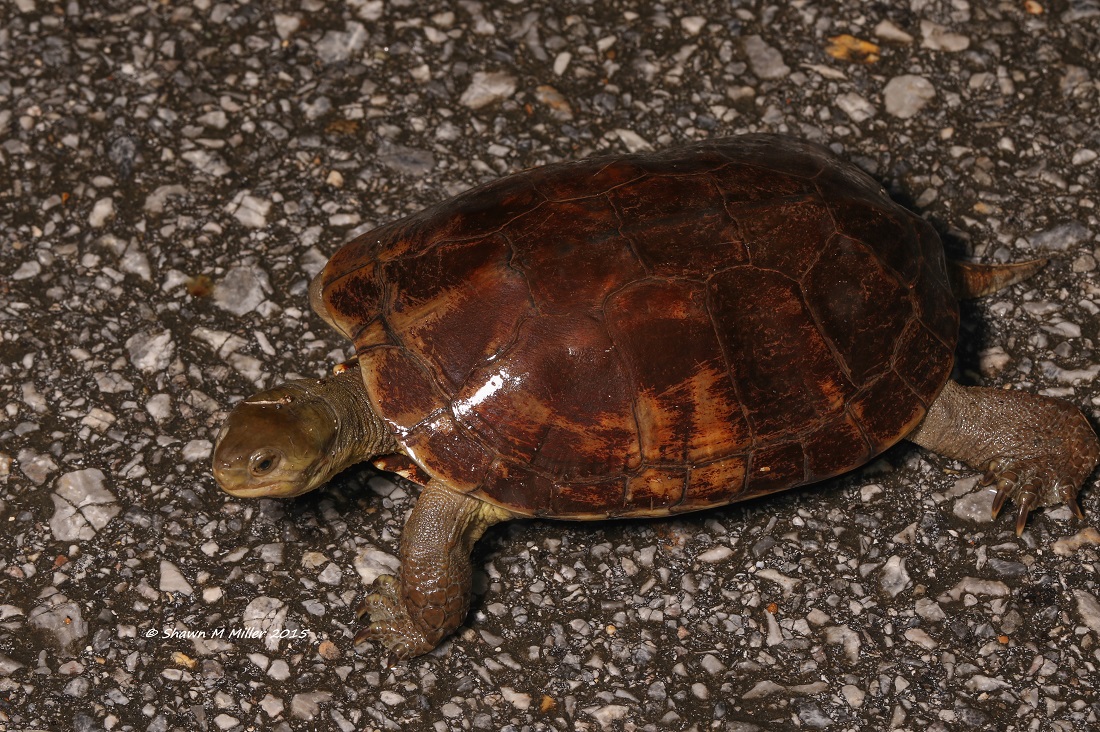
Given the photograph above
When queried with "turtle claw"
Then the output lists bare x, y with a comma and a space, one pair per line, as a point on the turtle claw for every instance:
389, 623
398, 648
1075, 507
383, 597
990, 474
1004, 490
1026, 502
1029, 484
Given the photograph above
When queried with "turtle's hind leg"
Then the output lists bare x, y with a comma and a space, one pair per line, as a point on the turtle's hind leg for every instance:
411, 615
1037, 450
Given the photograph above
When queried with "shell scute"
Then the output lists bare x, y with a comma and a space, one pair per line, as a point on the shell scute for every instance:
835, 448
863, 221
656, 490
775, 468
352, 296
714, 483
687, 408
593, 499
780, 155
785, 235
860, 306
477, 212
558, 401
678, 226
441, 447
879, 410
784, 367
560, 182
406, 393
742, 183
919, 355
559, 240
456, 304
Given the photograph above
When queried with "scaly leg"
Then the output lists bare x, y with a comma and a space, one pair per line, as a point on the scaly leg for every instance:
411, 615
1037, 450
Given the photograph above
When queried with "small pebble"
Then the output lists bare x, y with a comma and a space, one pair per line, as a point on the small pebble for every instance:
715, 554
856, 107
151, 351
894, 577
488, 88
102, 212
251, 211
1084, 156
242, 289
905, 96
1063, 237
764, 60
1089, 609
939, 38
82, 505
887, 31
692, 24
1071, 544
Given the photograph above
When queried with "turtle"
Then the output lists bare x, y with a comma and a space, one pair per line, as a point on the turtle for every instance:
640, 335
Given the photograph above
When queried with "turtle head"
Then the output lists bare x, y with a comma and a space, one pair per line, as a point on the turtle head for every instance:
279, 443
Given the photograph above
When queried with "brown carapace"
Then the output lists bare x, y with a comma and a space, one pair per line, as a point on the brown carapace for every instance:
644, 335
650, 334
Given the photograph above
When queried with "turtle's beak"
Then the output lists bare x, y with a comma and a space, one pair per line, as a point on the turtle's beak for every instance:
277, 444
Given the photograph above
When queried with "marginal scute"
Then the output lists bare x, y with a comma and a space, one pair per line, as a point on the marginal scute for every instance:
715, 483
518, 487
775, 468
352, 296
656, 490
882, 411
741, 184
835, 448
888, 230
588, 498
780, 155
840, 181
934, 303
441, 447
562, 182
923, 360
671, 162
480, 211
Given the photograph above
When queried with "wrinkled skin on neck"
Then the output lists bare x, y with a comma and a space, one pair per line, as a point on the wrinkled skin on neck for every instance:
295, 437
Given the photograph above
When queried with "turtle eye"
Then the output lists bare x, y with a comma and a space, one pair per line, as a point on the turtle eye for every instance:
263, 462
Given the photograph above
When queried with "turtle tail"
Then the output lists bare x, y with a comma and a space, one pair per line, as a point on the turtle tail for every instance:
970, 279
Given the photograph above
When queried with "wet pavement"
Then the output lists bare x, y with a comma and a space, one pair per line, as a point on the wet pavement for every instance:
173, 174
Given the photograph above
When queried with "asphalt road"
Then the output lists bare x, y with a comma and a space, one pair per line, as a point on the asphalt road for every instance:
173, 174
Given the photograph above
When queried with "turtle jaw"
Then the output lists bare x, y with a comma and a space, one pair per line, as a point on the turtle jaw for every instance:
238, 482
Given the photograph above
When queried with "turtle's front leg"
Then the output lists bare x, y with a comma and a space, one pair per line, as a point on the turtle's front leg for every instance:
411, 615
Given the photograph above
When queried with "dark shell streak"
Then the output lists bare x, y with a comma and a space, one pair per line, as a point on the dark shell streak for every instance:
651, 334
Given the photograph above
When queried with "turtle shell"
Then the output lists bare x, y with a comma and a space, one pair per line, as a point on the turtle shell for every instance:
650, 334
